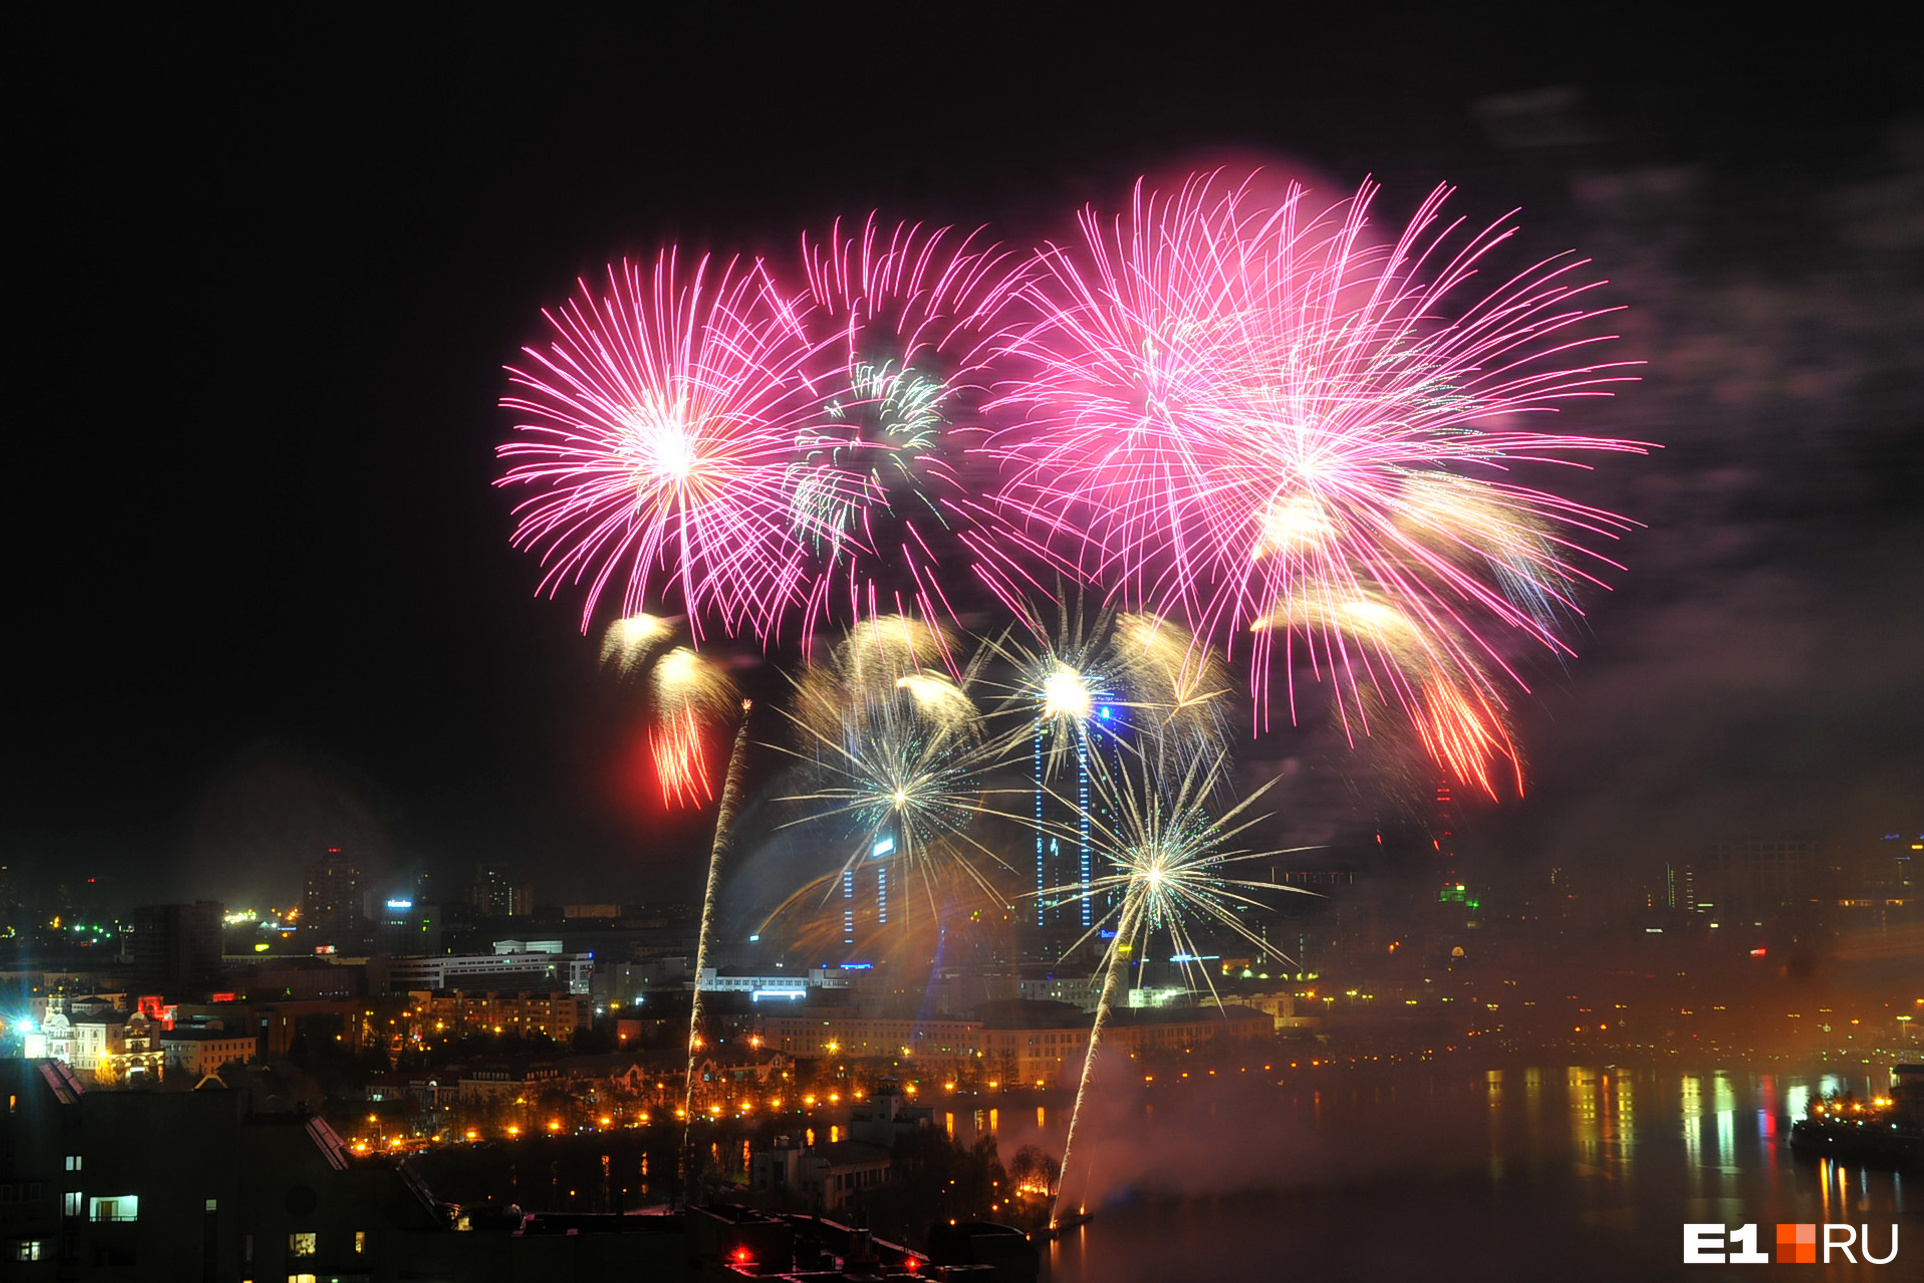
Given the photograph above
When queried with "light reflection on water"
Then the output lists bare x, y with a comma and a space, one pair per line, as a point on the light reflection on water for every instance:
1590, 1172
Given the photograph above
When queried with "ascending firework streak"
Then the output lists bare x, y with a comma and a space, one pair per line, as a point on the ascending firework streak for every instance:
899, 755
730, 803
1224, 399
1177, 673
1166, 851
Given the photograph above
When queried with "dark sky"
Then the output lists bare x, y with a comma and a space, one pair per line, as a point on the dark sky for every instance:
263, 596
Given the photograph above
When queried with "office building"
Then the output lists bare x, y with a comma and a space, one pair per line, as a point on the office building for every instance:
331, 898
176, 947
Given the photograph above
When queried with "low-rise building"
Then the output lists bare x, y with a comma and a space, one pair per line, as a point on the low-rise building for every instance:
1078, 990
1282, 1008
459, 1013
199, 1050
494, 1081
821, 1177
772, 985
523, 964
1027, 1042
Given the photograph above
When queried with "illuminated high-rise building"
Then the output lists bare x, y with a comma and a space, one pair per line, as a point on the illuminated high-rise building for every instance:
1443, 831
870, 874
1680, 888
495, 895
1065, 860
331, 898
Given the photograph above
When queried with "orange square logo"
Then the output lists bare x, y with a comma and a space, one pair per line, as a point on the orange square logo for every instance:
1797, 1245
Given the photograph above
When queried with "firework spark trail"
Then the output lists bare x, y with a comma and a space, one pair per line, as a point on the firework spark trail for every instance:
900, 756
1111, 979
630, 642
690, 695
1223, 400
903, 320
1154, 827
1448, 697
1068, 679
724, 818
658, 440
1179, 674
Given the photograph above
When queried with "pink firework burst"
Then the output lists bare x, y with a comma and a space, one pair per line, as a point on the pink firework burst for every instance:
1260, 420
658, 432
902, 321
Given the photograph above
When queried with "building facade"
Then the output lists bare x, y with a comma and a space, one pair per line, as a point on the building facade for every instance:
533, 964
331, 897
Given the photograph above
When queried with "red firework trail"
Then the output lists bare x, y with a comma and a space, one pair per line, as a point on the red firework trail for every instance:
681, 760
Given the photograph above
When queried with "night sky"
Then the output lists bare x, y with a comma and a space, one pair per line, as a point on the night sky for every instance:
270, 271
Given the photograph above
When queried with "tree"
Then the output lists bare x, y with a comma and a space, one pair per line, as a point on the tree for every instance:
1034, 1172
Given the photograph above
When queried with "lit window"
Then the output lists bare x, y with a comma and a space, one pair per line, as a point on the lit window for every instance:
26, 1249
121, 1207
71, 1205
360, 1242
302, 1278
73, 1162
213, 1204
300, 1244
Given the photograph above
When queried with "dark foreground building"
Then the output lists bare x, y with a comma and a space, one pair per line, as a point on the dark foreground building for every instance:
193, 1186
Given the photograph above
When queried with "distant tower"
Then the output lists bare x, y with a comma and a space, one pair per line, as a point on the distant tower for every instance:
1680, 887
871, 872
176, 946
1443, 821
1062, 808
1761, 873
496, 895
1899, 857
331, 903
